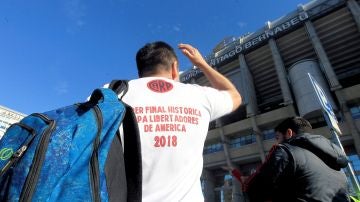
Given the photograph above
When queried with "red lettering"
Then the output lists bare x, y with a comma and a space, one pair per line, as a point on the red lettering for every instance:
160, 86
162, 141
148, 128
138, 110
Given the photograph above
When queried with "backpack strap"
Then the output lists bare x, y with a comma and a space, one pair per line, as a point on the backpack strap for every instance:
132, 155
120, 87
132, 145
103, 95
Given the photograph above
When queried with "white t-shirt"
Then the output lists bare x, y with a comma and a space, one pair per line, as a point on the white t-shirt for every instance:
173, 120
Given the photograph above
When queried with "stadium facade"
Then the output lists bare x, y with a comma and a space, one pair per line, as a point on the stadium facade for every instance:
8, 117
269, 67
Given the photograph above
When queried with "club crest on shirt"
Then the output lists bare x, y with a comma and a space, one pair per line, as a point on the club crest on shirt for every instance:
159, 86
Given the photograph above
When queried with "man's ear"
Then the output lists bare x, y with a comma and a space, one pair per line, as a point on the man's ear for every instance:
175, 71
289, 133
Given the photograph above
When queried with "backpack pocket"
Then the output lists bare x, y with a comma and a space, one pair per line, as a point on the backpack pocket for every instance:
14, 144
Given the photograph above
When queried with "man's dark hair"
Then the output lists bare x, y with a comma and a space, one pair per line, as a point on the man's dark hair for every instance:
154, 57
296, 124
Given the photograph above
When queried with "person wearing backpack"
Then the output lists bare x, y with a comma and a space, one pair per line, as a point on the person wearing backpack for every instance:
74, 153
302, 167
173, 120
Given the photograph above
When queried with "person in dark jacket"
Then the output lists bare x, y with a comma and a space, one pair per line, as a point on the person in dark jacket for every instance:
302, 167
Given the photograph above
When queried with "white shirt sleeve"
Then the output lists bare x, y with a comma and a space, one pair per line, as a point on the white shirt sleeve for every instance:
220, 102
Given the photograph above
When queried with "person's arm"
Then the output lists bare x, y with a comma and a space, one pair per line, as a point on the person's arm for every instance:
216, 79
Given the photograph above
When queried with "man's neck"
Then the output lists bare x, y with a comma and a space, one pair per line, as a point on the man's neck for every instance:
162, 75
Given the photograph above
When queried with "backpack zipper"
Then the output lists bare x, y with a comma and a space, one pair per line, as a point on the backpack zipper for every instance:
18, 154
94, 162
14, 158
39, 156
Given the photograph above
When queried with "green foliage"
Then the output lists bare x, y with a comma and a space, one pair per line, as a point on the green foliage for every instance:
354, 199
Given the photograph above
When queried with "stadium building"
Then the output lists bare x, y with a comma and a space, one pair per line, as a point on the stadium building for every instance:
8, 117
269, 67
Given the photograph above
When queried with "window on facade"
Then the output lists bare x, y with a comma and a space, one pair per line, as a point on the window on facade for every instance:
213, 148
355, 162
243, 140
355, 111
268, 134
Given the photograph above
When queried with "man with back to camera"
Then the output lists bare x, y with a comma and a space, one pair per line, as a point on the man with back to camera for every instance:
173, 120
302, 167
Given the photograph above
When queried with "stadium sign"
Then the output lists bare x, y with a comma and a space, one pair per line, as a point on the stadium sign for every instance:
241, 47
191, 74
272, 32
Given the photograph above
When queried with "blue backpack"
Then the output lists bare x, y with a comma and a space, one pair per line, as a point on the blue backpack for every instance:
73, 153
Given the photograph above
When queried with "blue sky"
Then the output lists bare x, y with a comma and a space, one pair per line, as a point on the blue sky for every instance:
54, 53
